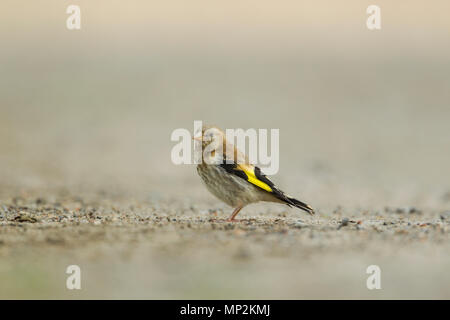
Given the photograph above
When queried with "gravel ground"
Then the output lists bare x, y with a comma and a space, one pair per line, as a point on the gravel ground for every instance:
165, 249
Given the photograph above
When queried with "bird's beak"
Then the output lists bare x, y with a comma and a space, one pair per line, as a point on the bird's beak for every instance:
197, 138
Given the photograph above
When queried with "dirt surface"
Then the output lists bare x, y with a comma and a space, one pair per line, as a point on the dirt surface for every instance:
86, 177
162, 249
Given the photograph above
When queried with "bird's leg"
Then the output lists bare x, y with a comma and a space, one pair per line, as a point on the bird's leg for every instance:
234, 214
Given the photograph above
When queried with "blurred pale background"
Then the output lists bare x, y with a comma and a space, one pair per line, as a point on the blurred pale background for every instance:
363, 115
368, 108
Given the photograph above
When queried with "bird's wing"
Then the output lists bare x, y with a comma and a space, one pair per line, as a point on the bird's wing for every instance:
237, 163
253, 175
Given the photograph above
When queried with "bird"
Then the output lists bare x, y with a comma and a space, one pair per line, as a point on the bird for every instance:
228, 175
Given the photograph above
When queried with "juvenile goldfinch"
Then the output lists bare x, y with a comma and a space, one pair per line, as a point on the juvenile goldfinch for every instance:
229, 176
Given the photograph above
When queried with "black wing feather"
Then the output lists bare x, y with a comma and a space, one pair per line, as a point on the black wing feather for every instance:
232, 169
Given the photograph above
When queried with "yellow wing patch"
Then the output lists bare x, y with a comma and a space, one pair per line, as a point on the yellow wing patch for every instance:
253, 179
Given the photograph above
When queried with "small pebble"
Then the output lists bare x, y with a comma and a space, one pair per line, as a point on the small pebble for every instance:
445, 215
344, 223
300, 224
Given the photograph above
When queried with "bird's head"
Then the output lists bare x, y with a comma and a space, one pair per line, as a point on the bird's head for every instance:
208, 135
213, 140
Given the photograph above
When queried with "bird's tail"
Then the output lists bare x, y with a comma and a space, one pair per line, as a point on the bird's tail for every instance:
301, 205
290, 201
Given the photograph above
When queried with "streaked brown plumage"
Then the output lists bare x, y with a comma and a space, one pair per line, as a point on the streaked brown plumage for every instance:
229, 176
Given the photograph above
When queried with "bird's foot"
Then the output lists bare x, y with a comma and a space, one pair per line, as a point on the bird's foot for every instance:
225, 220
231, 220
